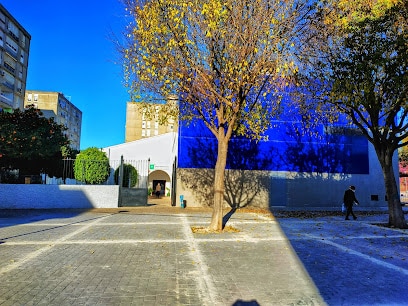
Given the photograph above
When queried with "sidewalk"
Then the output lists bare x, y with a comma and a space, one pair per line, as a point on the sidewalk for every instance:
147, 256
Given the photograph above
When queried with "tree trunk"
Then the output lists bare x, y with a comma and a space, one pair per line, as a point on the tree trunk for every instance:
396, 215
219, 184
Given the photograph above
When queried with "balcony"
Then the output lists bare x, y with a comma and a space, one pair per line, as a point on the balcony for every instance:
14, 36
5, 100
8, 85
11, 51
9, 68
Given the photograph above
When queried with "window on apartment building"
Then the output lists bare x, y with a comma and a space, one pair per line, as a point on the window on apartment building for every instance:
35, 97
143, 124
148, 133
9, 65
9, 78
143, 133
13, 29
7, 95
148, 124
12, 45
22, 57
30, 97
156, 124
156, 132
18, 101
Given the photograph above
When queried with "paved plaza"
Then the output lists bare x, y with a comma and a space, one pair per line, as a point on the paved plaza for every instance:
143, 256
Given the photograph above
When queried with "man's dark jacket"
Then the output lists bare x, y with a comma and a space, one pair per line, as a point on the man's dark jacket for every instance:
349, 197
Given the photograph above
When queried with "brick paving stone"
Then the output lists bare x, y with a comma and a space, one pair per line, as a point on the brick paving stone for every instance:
149, 256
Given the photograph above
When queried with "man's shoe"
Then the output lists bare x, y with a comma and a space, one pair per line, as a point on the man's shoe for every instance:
355, 218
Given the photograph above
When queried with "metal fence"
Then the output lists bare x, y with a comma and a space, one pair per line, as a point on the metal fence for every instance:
114, 175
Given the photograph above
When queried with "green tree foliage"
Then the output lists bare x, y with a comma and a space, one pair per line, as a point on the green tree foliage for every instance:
222, 58
68, 153
365, 67
30, 142
129, 176
91, 166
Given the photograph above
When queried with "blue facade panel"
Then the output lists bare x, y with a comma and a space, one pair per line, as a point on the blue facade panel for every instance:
322, 151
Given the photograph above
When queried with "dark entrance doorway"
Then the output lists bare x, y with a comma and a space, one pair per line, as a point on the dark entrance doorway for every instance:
162, 185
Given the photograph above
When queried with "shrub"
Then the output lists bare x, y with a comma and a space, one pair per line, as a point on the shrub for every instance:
91, 166
129, 176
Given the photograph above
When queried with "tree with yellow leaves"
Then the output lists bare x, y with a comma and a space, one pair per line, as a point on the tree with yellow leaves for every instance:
226, 60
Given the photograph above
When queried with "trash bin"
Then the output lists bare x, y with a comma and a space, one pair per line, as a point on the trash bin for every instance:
182, 201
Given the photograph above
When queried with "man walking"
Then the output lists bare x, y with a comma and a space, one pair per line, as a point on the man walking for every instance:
349, 199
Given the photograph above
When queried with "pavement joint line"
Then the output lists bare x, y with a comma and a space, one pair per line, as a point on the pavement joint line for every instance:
207, 289
264, 217
337, 222
401, 230
52, 226
139, 241
252, 222
49, 246
367, 257
370, 237
78, 224
136, 223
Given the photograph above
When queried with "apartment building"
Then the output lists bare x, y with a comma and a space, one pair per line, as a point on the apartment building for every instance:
56, 105
140, 125
14, 51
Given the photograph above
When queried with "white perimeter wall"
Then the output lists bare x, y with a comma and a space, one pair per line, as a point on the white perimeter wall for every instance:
20, 196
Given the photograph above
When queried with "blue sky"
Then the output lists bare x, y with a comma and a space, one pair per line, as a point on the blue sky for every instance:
72, 52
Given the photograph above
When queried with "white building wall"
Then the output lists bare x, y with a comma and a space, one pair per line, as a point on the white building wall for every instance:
160, 150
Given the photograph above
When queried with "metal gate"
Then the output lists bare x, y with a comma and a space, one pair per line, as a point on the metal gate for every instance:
133, 191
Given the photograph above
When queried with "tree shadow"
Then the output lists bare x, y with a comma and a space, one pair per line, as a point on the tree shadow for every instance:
331, 150
242, 185
275, 168
228, 216
246, 303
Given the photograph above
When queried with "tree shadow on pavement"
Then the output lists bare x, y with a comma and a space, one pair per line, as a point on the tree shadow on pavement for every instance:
246, 303
228, 216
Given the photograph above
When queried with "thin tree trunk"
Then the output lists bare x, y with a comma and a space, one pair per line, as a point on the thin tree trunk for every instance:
219, 184
396, 215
